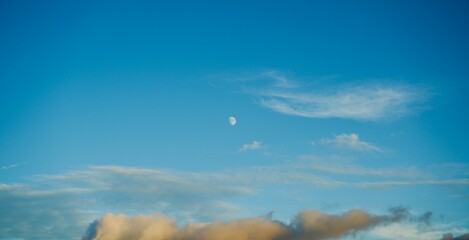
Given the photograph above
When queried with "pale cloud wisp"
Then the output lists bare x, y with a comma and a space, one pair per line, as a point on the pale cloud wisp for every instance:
365, 101
351, 142
251, 146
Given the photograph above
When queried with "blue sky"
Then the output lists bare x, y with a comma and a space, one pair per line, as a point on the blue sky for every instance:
123, 107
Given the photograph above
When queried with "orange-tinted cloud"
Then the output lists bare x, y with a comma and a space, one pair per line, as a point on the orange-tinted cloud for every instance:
310, 224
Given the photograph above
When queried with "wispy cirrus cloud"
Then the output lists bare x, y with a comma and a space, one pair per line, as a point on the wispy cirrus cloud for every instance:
365, 101
351, 142
280, 80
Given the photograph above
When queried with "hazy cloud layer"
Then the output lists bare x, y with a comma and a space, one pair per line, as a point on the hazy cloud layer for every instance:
40, 214
351, 142
129, 188
366, 101
310, 224
60, 206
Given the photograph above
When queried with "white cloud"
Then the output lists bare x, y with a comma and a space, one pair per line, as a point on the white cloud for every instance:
352, 142
358, 101
251, 146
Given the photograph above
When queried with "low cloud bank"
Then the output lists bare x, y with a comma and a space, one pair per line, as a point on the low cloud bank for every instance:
307, 225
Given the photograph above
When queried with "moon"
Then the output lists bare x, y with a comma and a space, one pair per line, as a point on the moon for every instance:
232, 121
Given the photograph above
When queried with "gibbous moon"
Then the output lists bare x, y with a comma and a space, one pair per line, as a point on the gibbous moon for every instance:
232, 121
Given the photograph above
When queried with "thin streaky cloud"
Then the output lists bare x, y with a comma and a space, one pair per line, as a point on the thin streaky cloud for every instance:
238, 182
361, 171
273, 78
359, 101
384, 184
279, 79
15, 165
352, 142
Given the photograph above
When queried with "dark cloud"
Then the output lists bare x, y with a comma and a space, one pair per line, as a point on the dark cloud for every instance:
426, 218
462, 237
449, 236
399, 213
